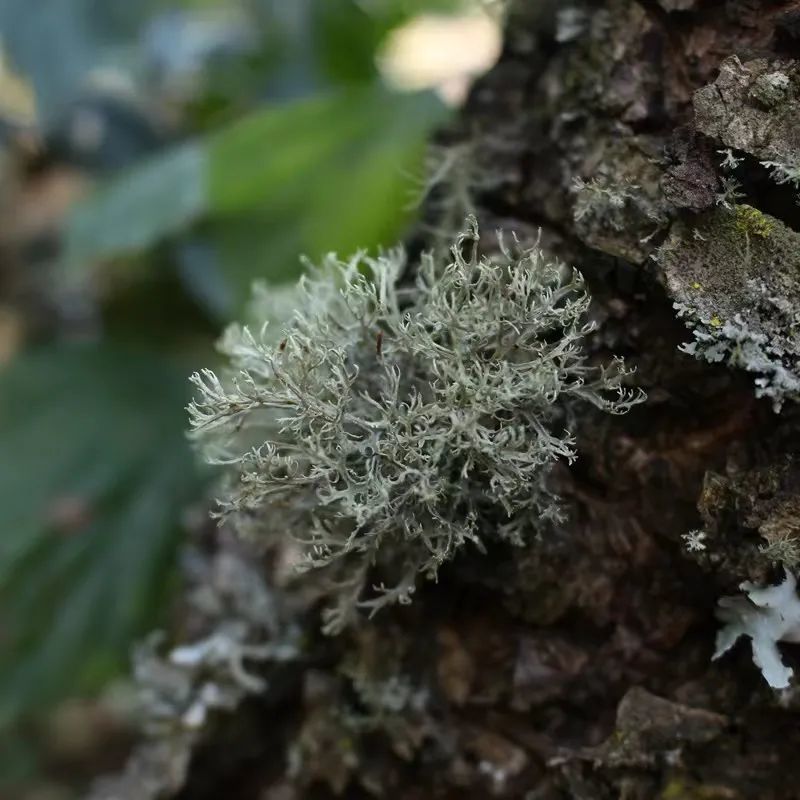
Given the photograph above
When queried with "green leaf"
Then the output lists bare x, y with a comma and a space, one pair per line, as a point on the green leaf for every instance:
379, 178
95, 476
145, 204
303, 177
263, 155
347, 36
348, 182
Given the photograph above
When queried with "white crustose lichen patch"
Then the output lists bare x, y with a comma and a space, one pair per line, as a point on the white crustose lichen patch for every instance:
768, 615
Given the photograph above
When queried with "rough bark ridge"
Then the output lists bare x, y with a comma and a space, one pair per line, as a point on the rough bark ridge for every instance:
580, 667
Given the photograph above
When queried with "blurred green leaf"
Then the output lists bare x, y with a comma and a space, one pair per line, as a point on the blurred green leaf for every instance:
379, 180
266, 154
346, 38
307, 176
140, 207
95, 475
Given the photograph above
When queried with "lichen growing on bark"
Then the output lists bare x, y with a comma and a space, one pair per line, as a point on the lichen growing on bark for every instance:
393, 424
735, 278
235, 628
768, 615
520, 673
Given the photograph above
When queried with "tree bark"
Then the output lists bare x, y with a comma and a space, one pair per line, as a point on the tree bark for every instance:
580, 667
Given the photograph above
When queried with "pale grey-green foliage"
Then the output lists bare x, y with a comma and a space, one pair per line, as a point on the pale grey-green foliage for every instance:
391, 424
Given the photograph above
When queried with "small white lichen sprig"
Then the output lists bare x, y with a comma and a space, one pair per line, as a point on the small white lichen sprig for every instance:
598, 201
390, 424
768, 615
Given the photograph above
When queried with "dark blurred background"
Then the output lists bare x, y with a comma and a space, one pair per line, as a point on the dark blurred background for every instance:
157, 157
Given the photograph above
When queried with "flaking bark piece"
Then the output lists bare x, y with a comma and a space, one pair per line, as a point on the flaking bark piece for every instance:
649, 727
753, 107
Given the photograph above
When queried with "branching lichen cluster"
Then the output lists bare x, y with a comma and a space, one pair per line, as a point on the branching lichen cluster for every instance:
391, 423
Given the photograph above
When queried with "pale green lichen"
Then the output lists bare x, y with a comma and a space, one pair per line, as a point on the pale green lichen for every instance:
746, 316
730, 193
694, 541
391, 424
243, 628
602, 202
784, 169
235, 631
734, 343
620, 206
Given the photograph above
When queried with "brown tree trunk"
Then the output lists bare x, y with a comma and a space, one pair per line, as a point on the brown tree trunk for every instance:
580, 667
